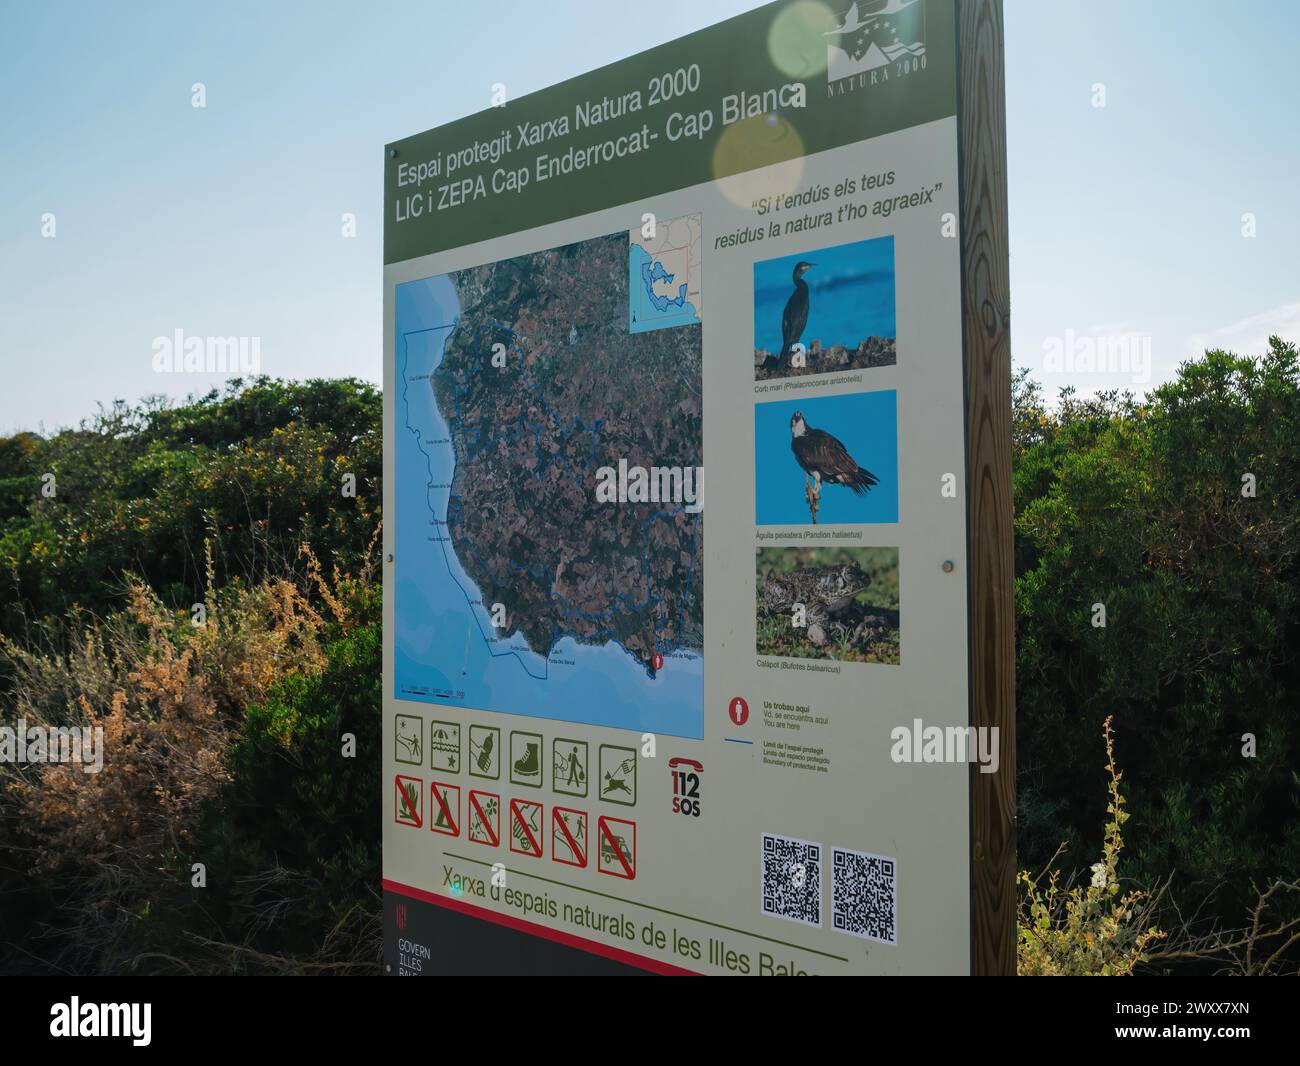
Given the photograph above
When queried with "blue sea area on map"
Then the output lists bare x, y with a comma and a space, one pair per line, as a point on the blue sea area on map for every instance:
444, 647
648, 309
656, 272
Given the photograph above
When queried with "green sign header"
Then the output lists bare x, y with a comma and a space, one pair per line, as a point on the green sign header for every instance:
778, 83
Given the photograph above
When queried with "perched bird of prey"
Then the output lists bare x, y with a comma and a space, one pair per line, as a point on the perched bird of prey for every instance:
793, 319
824, 458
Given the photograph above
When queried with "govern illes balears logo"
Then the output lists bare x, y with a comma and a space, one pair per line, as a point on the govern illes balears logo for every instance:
875, 42
75, 1018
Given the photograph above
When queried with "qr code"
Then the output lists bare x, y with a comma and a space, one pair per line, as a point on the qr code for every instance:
864, 895
792, 879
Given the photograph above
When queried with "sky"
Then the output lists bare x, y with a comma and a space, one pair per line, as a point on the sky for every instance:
1126, 220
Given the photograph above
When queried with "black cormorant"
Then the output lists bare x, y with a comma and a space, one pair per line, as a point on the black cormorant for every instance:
793, 319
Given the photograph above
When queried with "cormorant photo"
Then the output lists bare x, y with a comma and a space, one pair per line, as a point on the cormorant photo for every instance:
793, 319
825, 459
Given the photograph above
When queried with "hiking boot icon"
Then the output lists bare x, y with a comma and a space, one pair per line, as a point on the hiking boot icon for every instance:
527, 765
526, 759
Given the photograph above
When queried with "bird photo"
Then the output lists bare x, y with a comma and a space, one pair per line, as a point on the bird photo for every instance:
825, 312
793, 319
829, 459
824, 458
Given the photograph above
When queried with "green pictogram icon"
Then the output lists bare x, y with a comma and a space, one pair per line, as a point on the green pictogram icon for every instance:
618, 774
616, 855
485, 751
485, 818
444, 746
569, 836
408, 801
526, 828
569, 766
526, 759
445, 808
408, 734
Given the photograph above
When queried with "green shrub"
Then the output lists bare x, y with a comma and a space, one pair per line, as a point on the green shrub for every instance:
256, 468
292, 841
1140, 507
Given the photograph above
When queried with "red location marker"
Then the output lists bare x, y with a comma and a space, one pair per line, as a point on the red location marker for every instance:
658, 661
739, 710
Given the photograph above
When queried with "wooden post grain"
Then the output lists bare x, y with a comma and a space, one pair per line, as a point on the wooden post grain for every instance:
981, 124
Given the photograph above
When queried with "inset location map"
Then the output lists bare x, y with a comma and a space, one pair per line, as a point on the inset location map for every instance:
525, 402
664, 282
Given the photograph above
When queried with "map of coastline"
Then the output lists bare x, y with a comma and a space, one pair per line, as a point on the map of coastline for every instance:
664, 277
516, 590
653, 271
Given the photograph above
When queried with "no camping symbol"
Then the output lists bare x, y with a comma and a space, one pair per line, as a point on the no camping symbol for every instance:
526, 828
445, 808
485, 818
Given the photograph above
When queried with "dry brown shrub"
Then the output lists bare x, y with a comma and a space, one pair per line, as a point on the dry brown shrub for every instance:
168, 694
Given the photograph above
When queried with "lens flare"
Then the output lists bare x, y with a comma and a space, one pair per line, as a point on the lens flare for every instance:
796, 42
751, 143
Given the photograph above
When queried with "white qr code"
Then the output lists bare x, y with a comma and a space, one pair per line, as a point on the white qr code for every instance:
864, 895
792, 879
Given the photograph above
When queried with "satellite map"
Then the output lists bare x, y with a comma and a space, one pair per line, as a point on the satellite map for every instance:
520, 587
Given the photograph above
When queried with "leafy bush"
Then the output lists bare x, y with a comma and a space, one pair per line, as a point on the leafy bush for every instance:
1145, 509
257, 469
292, 840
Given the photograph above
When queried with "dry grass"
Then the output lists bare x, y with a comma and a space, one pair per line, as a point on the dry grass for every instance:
1094, 928
170, 695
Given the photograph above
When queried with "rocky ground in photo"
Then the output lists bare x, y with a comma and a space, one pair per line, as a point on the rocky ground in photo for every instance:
874, 351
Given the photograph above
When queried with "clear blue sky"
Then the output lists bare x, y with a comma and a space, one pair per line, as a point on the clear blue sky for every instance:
226, 220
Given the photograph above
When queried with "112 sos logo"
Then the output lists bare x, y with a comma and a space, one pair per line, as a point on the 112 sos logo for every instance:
686, 785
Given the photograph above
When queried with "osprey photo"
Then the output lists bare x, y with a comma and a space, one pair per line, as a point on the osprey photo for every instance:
849, 441
825, 459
